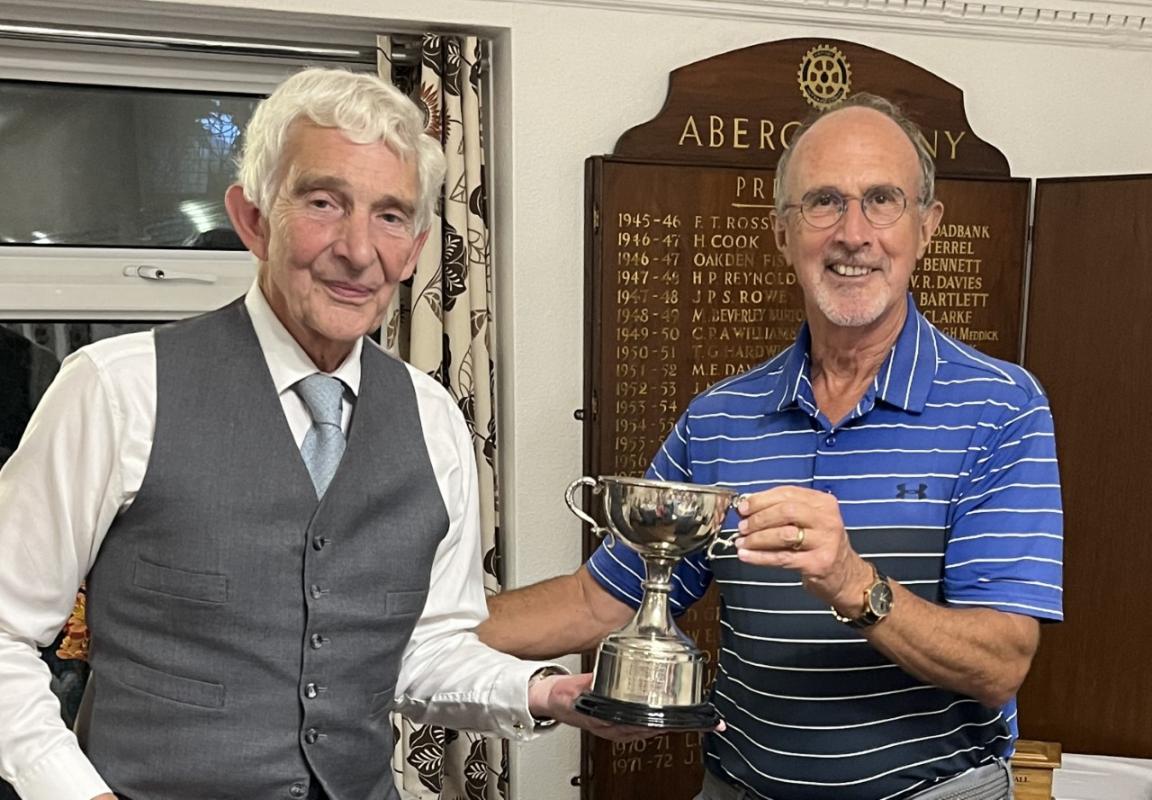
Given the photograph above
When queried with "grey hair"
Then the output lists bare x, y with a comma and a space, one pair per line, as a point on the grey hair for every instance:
363, 107
888, 109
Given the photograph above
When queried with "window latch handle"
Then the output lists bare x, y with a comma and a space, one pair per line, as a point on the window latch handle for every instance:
161, 274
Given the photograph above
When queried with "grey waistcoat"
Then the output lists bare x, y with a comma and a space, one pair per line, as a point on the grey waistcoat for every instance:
246, 640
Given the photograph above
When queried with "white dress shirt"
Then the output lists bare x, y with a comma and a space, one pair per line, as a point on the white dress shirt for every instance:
81, 463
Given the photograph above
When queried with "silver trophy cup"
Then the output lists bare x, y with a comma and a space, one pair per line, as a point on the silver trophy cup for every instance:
649, 672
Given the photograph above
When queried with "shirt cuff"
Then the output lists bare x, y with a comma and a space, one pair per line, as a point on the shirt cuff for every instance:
524, 727
543, 723
63, 774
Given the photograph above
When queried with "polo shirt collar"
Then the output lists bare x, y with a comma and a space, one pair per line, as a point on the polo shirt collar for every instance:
794, 371
904, 379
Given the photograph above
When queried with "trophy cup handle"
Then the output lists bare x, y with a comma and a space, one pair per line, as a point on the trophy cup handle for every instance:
574, 506
721, 541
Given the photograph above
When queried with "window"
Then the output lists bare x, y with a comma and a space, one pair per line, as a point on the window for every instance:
111, 166
121, 156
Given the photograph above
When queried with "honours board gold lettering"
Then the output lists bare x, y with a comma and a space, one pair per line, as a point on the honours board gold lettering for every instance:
693, 290
970, 282
686, 287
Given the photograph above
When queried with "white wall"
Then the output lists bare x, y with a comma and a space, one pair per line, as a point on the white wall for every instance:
1058, 93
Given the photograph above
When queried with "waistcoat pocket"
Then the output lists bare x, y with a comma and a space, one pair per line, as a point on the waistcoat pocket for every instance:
167, 686
206, 587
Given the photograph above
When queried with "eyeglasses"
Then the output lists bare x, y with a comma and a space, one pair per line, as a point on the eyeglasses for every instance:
822, 208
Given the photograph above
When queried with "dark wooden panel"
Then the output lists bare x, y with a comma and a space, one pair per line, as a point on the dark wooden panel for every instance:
1089, 333
683, 287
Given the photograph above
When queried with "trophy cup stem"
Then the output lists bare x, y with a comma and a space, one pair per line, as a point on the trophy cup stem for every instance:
654, 618
659, 578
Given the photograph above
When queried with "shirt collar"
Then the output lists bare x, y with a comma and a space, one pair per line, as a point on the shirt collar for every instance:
794, 370
902, 381
287, 361
907, 374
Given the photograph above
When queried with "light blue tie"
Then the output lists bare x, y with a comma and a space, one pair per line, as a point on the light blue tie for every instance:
324, 443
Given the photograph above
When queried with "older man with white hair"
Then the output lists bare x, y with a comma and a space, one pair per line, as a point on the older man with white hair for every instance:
276, 520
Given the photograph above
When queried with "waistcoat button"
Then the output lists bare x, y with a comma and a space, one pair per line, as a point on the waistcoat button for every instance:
319, 543
311, 735
298, 790
310, 691
317, 641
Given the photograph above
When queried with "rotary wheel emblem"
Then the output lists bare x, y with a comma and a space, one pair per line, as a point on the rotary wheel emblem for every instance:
825, 76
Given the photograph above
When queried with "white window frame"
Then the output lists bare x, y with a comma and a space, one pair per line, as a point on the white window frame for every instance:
53, 283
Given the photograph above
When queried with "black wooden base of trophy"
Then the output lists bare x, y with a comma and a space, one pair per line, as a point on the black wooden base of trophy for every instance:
680, 718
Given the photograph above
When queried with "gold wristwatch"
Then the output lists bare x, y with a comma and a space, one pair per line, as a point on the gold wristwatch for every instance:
877, 603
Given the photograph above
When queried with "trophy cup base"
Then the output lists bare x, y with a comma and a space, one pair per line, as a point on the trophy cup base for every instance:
680, 718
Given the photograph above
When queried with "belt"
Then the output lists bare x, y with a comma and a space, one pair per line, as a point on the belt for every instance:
989, 782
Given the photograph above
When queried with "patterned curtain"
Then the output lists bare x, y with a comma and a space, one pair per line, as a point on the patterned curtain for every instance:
441, 323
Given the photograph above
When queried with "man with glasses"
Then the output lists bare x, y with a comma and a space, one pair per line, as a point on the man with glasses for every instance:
900, 536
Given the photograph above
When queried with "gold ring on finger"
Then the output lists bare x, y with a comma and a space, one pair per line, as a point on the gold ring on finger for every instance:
799, 543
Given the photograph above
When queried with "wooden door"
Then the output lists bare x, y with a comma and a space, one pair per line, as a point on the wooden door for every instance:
1088, 337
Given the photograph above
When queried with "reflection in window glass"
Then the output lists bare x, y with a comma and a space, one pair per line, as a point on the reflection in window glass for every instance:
30, 356
118, 167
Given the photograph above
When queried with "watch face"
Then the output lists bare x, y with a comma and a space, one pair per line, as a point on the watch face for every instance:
880, 599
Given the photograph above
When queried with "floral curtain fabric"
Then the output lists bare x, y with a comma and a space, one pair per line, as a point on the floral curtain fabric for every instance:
442, 323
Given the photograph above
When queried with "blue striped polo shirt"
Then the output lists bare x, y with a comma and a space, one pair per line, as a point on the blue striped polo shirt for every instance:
946, 477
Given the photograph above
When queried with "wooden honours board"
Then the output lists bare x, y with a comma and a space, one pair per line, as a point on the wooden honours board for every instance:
692, 288
684, 287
